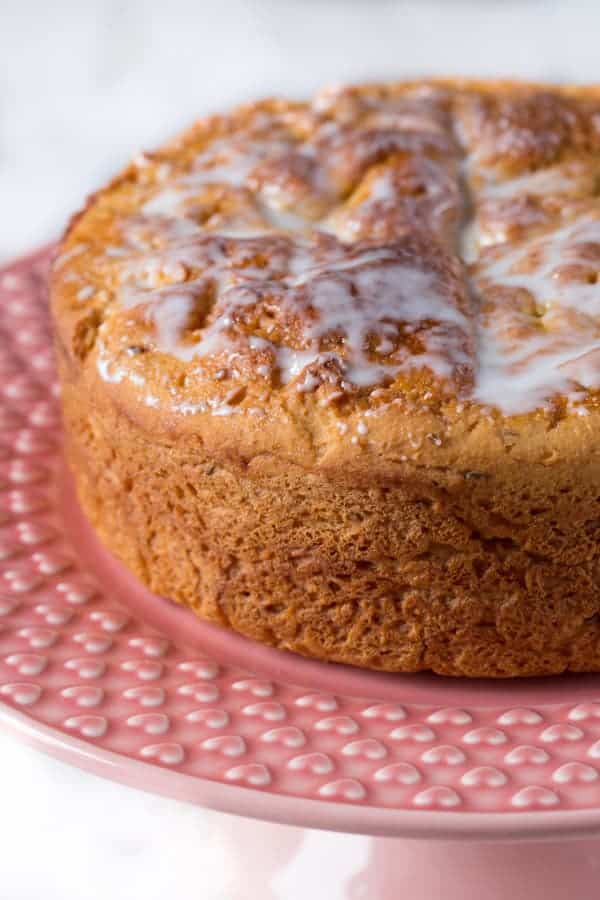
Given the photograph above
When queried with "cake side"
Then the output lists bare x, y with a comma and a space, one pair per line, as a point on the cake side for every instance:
401, 569
352, 411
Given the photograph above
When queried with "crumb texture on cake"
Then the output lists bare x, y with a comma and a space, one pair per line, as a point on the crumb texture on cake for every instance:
331, 373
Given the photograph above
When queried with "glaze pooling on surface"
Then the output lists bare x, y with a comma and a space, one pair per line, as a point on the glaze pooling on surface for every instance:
77, 656
316, 245
539, 326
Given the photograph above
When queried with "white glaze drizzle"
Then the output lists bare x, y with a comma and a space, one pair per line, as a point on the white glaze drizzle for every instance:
371, 293
562, 354
554, 180
519, 366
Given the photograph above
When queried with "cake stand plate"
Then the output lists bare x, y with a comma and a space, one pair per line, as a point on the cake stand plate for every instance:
97, 671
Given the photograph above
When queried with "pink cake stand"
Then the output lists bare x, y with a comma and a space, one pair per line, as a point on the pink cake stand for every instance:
496, 784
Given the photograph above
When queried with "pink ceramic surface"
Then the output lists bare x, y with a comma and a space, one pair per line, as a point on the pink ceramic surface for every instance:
98, 671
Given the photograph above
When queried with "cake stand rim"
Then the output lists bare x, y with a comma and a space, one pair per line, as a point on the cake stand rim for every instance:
300, 812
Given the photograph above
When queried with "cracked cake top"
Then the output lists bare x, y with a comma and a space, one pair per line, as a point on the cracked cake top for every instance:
425, 249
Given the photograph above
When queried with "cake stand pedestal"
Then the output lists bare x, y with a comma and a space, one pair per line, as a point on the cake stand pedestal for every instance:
490, 871
272, 861
463, 789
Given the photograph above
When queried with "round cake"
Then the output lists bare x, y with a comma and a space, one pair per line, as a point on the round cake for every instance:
331, 370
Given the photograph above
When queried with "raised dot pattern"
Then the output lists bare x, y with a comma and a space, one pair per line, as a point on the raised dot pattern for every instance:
78, 660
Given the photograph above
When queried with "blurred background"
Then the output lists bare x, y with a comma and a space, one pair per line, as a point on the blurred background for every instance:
86, 83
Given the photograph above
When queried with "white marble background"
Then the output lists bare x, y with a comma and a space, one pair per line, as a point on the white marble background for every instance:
83, 85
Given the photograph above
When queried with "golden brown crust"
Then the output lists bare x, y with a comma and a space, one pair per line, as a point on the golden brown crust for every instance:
406, 483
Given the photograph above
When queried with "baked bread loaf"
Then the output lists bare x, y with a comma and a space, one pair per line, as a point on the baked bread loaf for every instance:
330, 374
